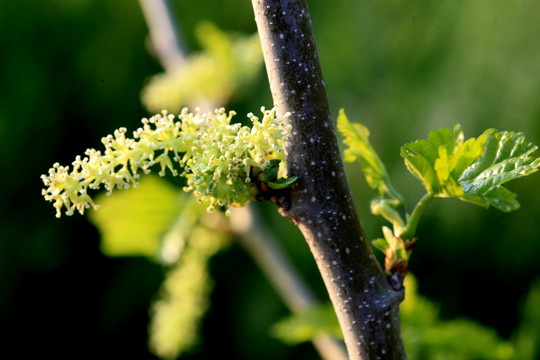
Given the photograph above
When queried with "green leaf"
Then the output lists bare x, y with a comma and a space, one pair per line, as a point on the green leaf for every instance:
132, 222
380, 244
304, 326
506, 157
282, 183
270, 171
439, 161
471, 170
356, 138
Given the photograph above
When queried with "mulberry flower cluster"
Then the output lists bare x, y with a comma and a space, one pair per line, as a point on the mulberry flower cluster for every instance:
213, 154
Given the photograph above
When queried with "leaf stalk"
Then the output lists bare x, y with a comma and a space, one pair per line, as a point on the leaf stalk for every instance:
410, 229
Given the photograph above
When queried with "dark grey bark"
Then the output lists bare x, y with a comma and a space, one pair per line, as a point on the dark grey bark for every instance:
266, 251
321, 204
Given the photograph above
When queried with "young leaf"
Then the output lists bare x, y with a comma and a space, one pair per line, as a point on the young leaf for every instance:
506, 157
471, 170
439, 161
380, 244
356, 138
282, 183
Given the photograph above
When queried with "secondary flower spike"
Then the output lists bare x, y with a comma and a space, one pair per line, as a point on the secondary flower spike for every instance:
214, 155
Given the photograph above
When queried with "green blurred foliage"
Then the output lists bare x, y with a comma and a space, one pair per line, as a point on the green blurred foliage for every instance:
134, 221
314, 321
428, 337
72, 71
223, 70
184, 297
425, 335
527, 337
158, 221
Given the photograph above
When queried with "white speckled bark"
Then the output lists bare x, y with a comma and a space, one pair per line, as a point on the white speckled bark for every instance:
321, 203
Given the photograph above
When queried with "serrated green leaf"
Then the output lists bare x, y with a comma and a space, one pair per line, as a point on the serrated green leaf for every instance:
132, 222
506, 157
356, 138
416, 157
304, 326
473, 170
499, 197
439, 161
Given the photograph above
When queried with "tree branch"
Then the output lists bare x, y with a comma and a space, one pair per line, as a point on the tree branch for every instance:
259, 242
321, 203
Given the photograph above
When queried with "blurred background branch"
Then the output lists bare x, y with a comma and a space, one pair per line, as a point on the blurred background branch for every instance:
166, 42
